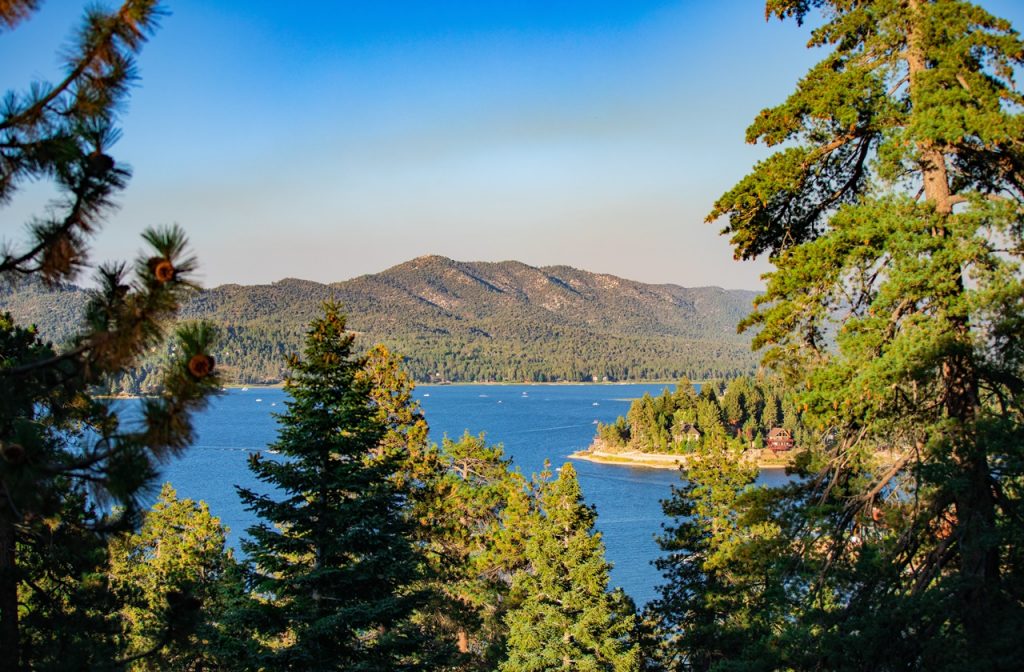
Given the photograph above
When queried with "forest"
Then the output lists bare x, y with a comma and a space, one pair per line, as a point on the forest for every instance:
496, 329
745, 409
891, 206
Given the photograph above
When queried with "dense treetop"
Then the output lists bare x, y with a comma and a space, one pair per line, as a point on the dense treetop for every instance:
893, 211
745, 410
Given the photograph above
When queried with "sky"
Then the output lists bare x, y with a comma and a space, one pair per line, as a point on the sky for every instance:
343, 138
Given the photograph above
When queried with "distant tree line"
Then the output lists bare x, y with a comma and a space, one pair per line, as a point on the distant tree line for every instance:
252, 356
522, 345
254, 353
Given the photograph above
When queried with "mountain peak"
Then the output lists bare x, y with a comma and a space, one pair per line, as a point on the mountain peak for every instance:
429, 259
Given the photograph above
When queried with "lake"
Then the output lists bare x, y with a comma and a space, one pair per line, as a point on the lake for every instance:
534, 423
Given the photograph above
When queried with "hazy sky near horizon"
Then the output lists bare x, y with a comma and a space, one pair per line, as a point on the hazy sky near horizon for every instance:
351, 136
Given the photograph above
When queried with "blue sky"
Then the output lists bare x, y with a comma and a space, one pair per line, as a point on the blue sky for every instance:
350, 136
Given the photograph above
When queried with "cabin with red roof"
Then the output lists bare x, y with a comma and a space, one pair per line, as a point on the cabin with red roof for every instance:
780, 440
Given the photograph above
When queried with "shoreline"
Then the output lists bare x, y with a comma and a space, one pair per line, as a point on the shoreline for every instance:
277, 386
634, 458
562, 383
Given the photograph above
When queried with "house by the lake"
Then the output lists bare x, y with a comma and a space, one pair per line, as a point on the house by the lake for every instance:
780, 439
686, 433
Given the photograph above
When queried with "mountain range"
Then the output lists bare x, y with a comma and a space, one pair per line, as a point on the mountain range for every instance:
461, 321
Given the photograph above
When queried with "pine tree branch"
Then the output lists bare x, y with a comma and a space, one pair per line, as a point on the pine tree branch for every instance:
897, 466
71, 221
87, 60
24, 369
164, 640
13, 12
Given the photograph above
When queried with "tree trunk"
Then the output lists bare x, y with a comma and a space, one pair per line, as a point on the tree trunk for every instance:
973, 499
9, 639
975, 509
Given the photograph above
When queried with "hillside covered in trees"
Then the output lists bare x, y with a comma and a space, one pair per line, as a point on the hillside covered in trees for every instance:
459, 322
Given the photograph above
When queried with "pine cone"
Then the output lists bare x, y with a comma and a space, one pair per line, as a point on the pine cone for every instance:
162, 269
13, 453
98, 164
200, 366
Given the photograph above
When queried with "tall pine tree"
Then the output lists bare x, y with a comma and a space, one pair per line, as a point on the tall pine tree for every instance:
893, 214
564, 618
334, 560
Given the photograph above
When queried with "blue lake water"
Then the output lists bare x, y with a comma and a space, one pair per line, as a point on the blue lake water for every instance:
534, 423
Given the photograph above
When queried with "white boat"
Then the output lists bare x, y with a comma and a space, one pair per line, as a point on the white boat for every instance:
245, 389
258, 400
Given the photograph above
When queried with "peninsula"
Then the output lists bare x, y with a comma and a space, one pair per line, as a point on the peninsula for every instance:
765, 459
752, 414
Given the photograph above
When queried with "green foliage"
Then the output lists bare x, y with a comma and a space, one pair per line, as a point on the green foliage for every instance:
680, 420
564, 617
65, 459
334, 559
456, 496
67, 605
473, 546
722, 599
616, 435
893, 217
174, 578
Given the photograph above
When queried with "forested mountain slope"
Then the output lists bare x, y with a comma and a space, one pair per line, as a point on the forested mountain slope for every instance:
460, 321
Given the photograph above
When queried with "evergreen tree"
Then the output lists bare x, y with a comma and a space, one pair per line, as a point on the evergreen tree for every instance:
334, 556
734, 406
685, 396
615, 435
406, 429
66, 601
771, 415
893, 217
642, 425
474, 554
178, 556
565, 617
709, 415
720, 601
456, 497
62, 448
